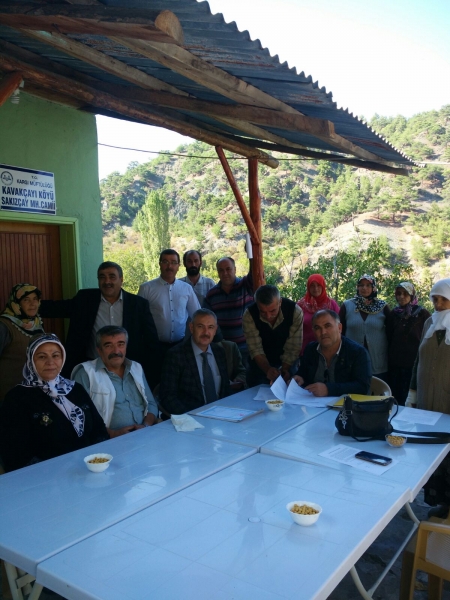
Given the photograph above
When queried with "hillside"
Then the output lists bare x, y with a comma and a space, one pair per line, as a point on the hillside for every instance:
310, 208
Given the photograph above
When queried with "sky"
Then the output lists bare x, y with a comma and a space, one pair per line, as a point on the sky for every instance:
387, 57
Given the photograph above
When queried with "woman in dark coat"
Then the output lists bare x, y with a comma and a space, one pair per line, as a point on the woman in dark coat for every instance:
404, 327
46, 415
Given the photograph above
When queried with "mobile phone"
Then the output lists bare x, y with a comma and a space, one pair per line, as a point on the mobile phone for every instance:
374, 458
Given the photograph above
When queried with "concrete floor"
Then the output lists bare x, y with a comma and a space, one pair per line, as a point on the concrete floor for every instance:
370, 564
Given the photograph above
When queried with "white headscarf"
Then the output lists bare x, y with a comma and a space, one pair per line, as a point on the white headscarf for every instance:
440, 319
57, 388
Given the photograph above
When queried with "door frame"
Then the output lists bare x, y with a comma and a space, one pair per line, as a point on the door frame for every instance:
69, 238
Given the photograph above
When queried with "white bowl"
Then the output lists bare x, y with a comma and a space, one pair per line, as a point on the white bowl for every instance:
98, 467
399, 439
304, 520
278, 404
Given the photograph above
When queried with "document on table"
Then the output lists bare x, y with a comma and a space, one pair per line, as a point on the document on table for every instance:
346, 455
227, 413
419, 416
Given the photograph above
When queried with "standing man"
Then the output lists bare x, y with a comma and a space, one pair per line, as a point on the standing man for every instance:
273, 328
229, 300
91, 309
171, 300
336, 365
195, 372
192, 260
117, 385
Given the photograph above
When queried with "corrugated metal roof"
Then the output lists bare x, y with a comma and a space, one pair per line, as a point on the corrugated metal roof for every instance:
221, 44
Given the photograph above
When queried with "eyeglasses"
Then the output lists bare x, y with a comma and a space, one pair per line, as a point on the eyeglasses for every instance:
172, 263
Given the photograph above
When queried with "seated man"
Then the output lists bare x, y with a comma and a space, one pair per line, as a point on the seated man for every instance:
117, 385
237, 374
336, 365
194, 372
273, 328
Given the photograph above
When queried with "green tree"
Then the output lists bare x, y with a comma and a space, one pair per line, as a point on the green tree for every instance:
153, 224
132, 263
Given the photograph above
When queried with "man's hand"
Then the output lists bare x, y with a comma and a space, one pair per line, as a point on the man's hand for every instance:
122, 430
272, 373
299, 380
236, 386
149, 420
318, 389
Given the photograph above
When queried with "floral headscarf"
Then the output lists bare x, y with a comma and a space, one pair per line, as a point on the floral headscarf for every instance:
309, 302
412, 307
58, 388
375, 305
440, 319
13, 311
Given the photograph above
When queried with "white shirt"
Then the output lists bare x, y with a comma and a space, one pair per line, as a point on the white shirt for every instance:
202, 287
107, 314
212, 363
170, 304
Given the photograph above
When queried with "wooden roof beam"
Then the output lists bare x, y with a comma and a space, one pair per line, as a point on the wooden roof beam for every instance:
8, 85
101, 61
159, 26
100, 99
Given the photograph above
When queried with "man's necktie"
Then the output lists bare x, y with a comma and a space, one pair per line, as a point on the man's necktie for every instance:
208, 380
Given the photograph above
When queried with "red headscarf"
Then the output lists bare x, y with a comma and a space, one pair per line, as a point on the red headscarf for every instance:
310, 303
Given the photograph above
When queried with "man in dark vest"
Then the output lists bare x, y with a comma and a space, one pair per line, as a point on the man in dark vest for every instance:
273, 328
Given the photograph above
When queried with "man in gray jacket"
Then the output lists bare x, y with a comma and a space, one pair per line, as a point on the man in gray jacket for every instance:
117, 385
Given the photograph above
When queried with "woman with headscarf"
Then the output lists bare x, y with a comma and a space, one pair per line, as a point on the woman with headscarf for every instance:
404, 327
363, 320
315, 299
19, 322
430, 386
46, 415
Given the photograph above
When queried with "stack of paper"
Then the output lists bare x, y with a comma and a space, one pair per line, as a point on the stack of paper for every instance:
294, 394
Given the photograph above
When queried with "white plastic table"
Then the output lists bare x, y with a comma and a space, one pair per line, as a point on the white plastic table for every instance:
230, 536
52, 505
416, 461
257, 430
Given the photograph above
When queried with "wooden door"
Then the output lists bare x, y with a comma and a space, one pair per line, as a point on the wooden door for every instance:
30, 253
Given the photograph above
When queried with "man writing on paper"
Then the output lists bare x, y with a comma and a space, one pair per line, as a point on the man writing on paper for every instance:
273, 328
335, 365
195, 371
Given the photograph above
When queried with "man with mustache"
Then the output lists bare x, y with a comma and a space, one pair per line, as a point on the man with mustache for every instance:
195, 372
109, 304
171, 300
117, 385
335, 365
192, 260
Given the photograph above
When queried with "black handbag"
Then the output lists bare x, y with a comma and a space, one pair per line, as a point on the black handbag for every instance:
370, 419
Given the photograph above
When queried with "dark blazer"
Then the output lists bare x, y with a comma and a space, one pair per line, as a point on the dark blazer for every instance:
352, 373
143, 342
181, 388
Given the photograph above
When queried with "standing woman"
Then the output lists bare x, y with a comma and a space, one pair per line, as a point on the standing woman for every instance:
363, 320
404, 327
315, 299
46, 415
19, 322
430, 386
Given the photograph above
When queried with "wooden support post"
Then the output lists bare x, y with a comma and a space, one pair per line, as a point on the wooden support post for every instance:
237, 194
255, 214
8, 85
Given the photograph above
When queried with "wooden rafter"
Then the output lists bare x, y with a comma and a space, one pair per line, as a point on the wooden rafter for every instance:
94, 20
101, 61
8, 85
134, 111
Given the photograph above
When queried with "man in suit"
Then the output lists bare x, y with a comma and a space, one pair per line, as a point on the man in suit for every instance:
91, 309
335, 365
195, 371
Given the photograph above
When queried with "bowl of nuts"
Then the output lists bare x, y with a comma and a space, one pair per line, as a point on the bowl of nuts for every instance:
303, 512
274, 404
98, 462
396, 441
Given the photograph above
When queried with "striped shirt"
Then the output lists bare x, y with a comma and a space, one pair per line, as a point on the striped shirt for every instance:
230, 308
201, 288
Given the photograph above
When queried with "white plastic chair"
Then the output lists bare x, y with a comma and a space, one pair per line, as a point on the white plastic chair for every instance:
378, 387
